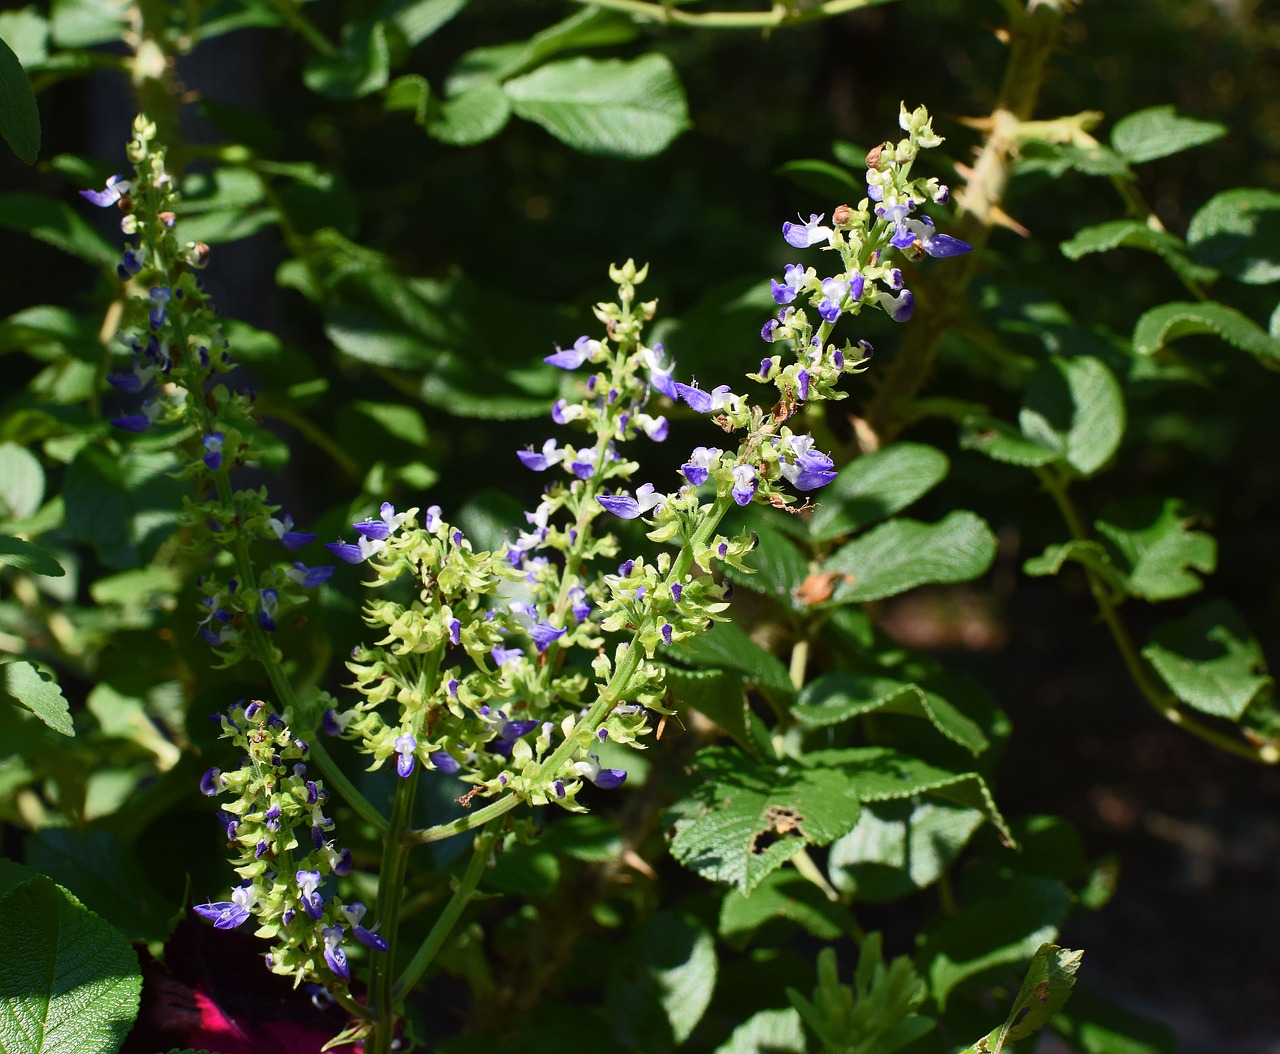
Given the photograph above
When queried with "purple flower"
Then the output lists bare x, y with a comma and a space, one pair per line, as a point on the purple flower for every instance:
833, 294
706, 402
626, 507
700, 464
309, 577
769, 332
379, 530
159, 305
117, 186
583, 348
540, 461
744, 484
333, 953
444, 762
807, 469
289, 538
544, 633
228, 914
405, 746
802, 382
212, 450
355, 914
209, 782
659, 374
900, 308
578, 603
501, 656
790, 287
267, 612
357, 553
803, 235
130, 265
309, 893
605, 779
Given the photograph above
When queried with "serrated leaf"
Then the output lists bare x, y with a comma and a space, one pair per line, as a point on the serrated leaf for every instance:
410, 92
58, 224
996, 932
882, 774
838, 696
27, 556
69, 983
902, 554
900, 847
622, 108
1210, 660
1160, 131
1048, 985
1132, 234
477, 114
767, 1032
1162, 325
1150, 543
19, 117
745, 818
727, 646
657, 994
876, 486
718, 694
1238, 232
28, 686
1002, 442
1074, 406
783, 895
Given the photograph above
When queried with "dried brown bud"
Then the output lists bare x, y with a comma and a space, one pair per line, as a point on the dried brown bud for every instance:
842, 215
167, 218
873, 156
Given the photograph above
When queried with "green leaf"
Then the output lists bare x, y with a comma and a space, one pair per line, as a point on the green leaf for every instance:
362, 67
767, 1032
1075, 407
27, 556
1210, 660
21, 482
875, 486
877, 1015
779, 566
40, 694
86, 23
840, 695
727, 646
1159, 131
993, 933
19, 117
69, 983
1162, 325
902, 554
1132, 234
787, 895
882, 774
58, 224
745, 818
900, 847
823, 179
26, 31
92, 866
1087, 553
718, 694
1238, 232
477, 114
123, 506
590, 27
622, 108
419, 19
1151, 545
1002, 442
1045, 990
410, 92
657, 994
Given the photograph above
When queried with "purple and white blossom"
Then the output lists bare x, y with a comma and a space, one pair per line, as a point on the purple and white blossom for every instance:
117, 186
703, 402
900, 308
792, 284
540, 461
834, 291
355, 914
605, 779
583, 349
228, 914
803, 235
405, 746
744, 484
308, 577
309, 892
625, 507
700, 463
289, 538
333, 953
804, 467
653, 360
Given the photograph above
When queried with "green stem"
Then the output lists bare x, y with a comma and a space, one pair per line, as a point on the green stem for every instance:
778, 15
463, 890
395, 859
1161, 701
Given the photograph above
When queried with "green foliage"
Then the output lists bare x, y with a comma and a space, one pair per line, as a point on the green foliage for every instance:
876, 1015
34, 689
19, 117
70, 982
1045, 990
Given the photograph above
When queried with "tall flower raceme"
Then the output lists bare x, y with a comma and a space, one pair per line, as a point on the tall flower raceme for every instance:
507, 669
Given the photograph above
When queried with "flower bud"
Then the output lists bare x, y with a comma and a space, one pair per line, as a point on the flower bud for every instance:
842, 215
